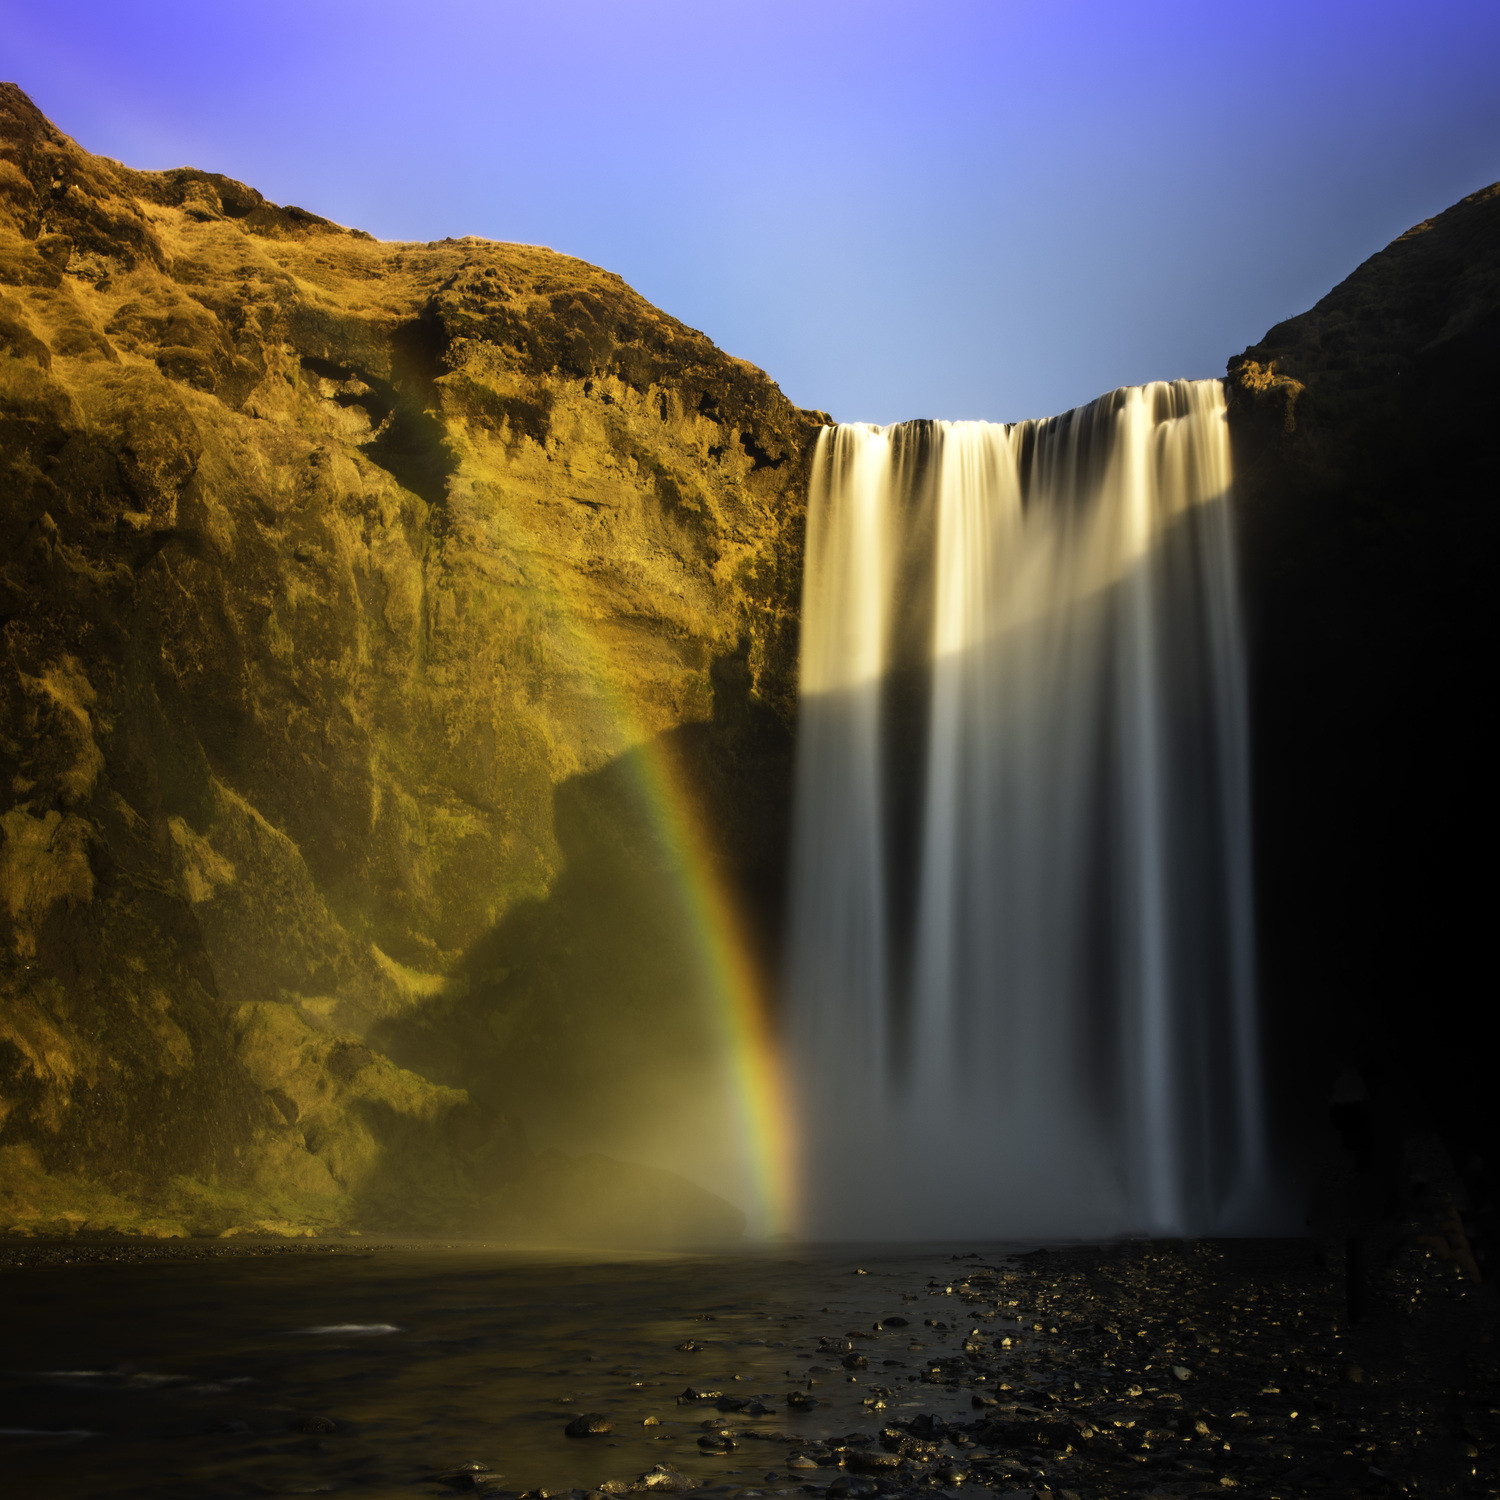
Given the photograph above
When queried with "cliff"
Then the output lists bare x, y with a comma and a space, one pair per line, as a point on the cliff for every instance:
380, 620
349, 592
1368, 475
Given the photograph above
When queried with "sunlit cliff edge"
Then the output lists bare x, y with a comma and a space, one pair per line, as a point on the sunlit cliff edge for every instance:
342, 583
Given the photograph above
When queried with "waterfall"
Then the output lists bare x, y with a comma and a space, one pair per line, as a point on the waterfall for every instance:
1021, 978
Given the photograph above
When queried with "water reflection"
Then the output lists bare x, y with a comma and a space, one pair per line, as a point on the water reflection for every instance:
379, 1374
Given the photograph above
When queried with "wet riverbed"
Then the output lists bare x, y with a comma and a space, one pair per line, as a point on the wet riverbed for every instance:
305, 1374
1130, 1370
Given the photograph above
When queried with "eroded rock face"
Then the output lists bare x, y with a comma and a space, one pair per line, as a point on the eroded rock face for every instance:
353, 596
1368, 474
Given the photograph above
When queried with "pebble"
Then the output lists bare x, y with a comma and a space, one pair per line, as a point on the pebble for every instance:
590, 1424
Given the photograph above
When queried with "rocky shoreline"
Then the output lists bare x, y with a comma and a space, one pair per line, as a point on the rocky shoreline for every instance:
1136, 1369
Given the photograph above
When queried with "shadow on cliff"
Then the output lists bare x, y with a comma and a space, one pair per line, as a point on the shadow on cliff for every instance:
594, 1015
1370, 533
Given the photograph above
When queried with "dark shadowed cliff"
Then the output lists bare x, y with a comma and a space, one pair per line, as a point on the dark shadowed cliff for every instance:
1369, 476
343, 587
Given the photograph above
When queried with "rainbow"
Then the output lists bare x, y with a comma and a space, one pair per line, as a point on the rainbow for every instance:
738, 988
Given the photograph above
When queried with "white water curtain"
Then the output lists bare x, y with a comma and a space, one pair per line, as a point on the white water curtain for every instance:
1021, 978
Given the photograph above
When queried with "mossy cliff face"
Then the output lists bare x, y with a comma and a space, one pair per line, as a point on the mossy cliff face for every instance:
1368, 475
345, 587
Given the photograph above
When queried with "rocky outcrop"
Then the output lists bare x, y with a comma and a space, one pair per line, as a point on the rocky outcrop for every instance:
346, 589
1368, 476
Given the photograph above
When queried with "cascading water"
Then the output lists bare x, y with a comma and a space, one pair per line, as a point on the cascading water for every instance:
1021, 979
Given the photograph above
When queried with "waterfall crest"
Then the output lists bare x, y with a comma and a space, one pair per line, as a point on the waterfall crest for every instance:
1021, 980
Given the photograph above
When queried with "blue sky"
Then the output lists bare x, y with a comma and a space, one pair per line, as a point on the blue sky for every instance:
944, 209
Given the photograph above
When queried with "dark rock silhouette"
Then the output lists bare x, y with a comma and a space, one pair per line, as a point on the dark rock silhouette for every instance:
1368, 474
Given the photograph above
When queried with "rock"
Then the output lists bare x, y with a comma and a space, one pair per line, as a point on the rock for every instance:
978, 1400
590, 1424
953, 1474
852, 1486
717, 1442
1181, 1372
1368, 406
854, 1362
313, 537
317, 1424
801, 1401
665, 1477
800, 1461
893, 1322
692, 1395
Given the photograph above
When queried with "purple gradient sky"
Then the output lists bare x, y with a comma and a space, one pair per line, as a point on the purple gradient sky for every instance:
944, 209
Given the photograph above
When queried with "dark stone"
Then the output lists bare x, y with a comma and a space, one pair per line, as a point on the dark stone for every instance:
852, 1486
590, 1424
872, 1462
854, 1362
317, 1424
801, 1401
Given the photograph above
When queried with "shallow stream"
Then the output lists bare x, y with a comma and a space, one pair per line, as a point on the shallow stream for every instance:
211, 1377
